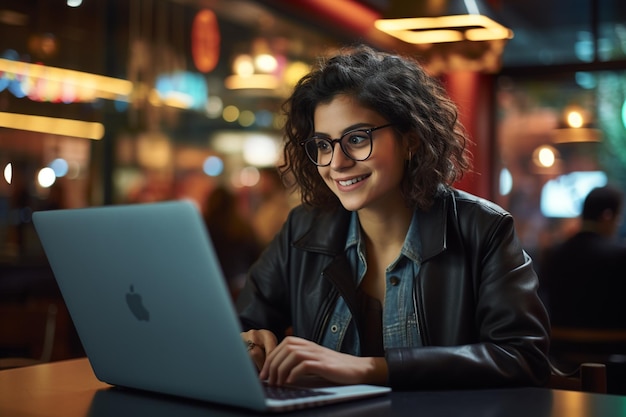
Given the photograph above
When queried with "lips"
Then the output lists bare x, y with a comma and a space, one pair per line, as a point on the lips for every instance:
346, 183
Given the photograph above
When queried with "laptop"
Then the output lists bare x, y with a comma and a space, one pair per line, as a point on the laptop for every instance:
145, 291
119, 402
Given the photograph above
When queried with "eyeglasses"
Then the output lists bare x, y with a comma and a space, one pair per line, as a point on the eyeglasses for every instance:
355, 144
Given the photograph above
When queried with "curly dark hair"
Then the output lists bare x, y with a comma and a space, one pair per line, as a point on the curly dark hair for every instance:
401, 91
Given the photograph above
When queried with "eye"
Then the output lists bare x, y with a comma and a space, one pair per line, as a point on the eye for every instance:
355, 139
322, 145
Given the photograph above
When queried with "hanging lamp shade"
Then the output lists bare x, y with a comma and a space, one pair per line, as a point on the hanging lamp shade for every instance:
441, 21
449, 35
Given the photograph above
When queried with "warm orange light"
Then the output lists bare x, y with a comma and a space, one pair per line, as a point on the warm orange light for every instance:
545, 156
575, 119
254, 81
87, 86
205, 41
580, 134
425, 30
348, 13
52, 125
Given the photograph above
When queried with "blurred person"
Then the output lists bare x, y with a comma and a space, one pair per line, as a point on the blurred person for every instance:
151, 186
387, 274
585, 276
272, 207
233, 238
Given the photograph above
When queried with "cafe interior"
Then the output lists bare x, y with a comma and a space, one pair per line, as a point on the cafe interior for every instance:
134, 101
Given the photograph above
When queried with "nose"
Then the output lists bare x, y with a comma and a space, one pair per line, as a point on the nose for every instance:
340, 160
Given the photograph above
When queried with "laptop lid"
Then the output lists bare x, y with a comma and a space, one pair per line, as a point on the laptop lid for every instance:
145, 291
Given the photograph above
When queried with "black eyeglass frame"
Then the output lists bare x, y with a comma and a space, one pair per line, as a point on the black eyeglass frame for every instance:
332, 142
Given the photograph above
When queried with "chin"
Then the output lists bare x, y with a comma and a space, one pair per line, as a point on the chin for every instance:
351, 206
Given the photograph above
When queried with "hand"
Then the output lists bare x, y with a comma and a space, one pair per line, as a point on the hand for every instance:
297, 359
260, 343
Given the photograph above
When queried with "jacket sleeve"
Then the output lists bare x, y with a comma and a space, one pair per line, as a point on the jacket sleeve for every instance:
482, 320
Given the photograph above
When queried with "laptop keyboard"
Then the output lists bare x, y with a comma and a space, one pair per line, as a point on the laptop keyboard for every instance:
288, 393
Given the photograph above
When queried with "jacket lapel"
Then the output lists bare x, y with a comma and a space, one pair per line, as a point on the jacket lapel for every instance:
327, 234
433, 225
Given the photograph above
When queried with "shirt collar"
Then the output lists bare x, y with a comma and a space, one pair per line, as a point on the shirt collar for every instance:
411, 247
354, 231
412, 243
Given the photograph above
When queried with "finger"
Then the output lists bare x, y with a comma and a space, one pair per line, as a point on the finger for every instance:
268, 342
272, 361
257, 354
249, 344
287, 355
272, 352
302, 369
286, 366
265, 372
248, 336
264, 339
300, 360
250, 340
257, 343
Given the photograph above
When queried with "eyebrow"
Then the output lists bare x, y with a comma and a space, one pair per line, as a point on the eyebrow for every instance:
356, 126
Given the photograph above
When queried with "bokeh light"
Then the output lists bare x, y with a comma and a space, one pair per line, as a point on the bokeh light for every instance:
213, 166
8, 173
59, 166
46, 177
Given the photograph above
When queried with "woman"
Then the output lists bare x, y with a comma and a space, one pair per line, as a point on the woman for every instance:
386, 274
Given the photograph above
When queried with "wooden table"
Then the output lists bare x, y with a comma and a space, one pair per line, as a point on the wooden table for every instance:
70, 389
63, 389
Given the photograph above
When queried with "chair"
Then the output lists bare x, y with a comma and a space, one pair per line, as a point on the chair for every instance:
571, 346
580, 345
588, 377
30, 331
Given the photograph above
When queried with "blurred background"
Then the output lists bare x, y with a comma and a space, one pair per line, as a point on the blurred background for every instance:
129, 101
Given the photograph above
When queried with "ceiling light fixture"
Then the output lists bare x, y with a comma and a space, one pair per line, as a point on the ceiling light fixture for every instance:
52, 125
433, 21
88, 86
577, 126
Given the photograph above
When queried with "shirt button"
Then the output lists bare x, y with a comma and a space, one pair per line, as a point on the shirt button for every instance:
334, 328
394, 281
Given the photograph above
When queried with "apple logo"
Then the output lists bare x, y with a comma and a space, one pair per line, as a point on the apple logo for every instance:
136, 306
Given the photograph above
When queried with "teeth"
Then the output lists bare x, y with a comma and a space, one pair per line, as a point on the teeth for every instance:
350, 182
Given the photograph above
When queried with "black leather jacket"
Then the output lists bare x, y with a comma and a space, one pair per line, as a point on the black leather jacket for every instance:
482, 322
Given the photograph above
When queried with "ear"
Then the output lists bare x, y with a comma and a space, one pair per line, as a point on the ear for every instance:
411, 144
607, 215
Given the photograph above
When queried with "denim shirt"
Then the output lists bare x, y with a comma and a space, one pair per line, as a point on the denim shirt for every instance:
400, 328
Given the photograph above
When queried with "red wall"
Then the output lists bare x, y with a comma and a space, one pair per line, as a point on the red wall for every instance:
473, 94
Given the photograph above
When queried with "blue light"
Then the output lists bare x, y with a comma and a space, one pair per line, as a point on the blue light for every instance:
213, 166
11, 81
120, 105
506, 181
59, 166
15, 87
586, 80
4, 83
264, 118
192, 86
564, 195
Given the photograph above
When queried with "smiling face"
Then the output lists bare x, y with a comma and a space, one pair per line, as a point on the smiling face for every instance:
373, 184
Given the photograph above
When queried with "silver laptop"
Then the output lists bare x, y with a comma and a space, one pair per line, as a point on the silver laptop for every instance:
148, 299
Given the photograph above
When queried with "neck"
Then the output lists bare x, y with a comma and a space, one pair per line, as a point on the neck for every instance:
386, 229
599, 227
